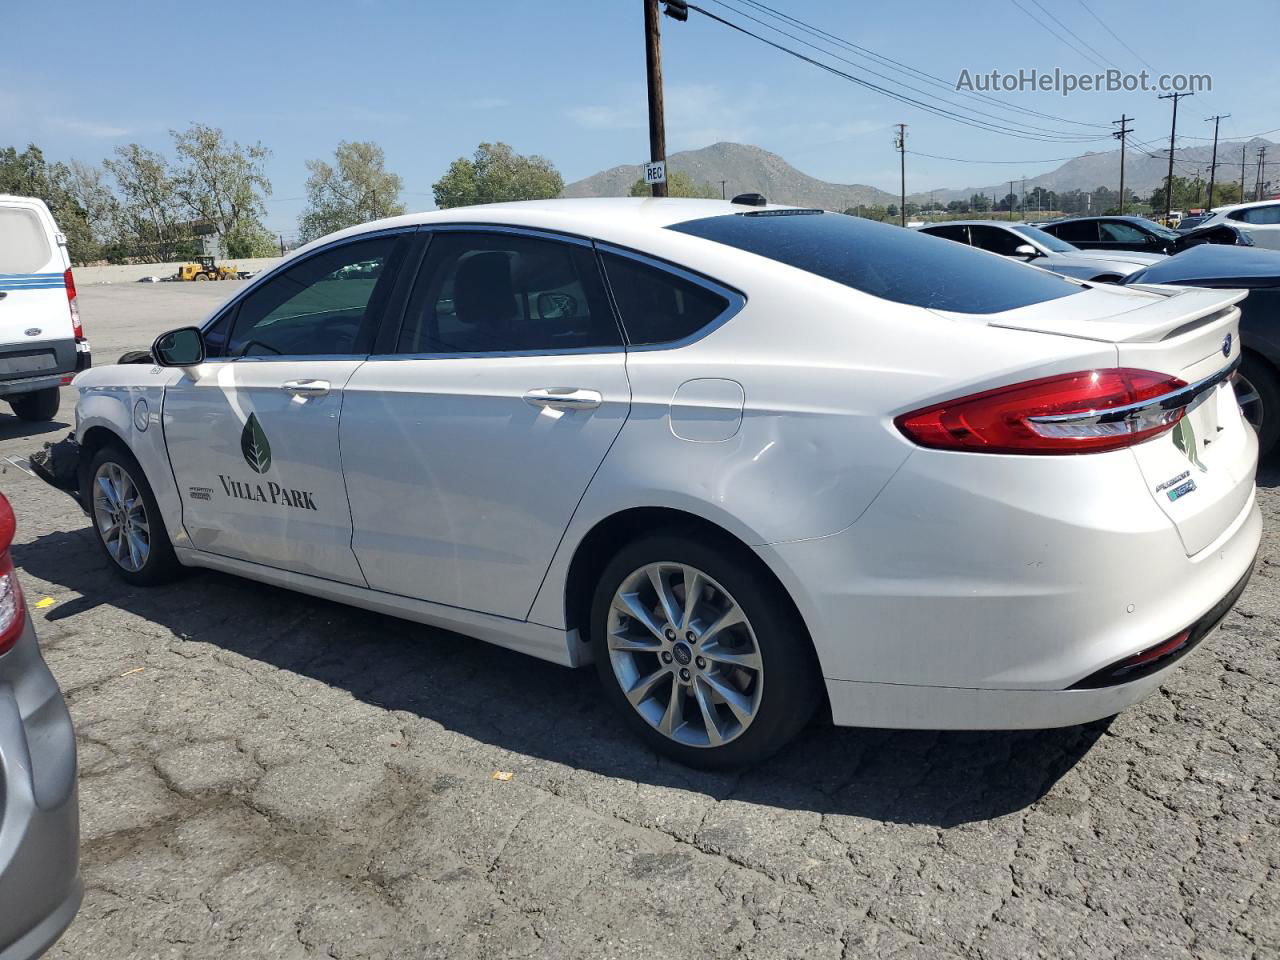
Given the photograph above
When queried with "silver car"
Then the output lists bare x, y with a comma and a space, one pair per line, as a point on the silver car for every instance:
40, 887
1021, 241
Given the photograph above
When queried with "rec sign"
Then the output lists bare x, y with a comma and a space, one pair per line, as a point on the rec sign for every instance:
655, 172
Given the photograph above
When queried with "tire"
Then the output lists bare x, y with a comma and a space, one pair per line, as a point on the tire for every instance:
1106, 278
38, 406
773, 680
1258, 390
158, 564
202, 276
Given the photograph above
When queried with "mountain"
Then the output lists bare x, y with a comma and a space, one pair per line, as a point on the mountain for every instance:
748, 169
1144, 170
745, 169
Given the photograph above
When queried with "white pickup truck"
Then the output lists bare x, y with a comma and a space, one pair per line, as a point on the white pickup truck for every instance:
42, 344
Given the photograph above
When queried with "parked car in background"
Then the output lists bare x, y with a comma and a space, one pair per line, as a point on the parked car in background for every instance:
42, 344
748, 474
1260, 221
1190, 222
1257, 383
1139, 234
40, 887
1021, 241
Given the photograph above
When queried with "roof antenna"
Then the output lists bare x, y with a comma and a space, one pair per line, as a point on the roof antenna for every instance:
750, 199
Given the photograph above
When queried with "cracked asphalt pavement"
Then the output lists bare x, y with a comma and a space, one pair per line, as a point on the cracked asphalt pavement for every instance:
268, 775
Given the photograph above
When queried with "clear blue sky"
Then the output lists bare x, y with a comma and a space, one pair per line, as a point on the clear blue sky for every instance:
430, 80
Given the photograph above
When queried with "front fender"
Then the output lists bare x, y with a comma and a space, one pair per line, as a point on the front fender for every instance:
126, 402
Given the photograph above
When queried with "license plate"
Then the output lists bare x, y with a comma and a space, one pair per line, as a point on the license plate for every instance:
32, 363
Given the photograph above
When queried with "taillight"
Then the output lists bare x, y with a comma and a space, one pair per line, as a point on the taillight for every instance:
76, 326
13, 612
1084, 412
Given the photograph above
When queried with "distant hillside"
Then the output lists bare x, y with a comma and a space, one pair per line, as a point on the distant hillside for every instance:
745, 169
1142, 172
749, 169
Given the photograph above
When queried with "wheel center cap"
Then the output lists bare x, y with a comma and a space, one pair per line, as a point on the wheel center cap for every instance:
682, 653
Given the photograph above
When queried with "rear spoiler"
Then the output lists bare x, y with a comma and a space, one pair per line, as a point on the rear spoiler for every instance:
1178, 310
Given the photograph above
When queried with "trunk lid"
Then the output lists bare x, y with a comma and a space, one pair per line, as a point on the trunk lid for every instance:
1201, 472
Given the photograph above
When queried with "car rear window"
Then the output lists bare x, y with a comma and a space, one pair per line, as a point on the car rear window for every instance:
904, 266
24, 246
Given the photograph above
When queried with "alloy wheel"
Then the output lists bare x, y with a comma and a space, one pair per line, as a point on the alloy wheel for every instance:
684, 654
121, 516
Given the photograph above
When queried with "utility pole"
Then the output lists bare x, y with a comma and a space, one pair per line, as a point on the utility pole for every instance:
1014, 196
653, 68
1121, 135
900, 141
1244, 147
1023, 213
1262, 162
1213, 164
722, 183
1173, 129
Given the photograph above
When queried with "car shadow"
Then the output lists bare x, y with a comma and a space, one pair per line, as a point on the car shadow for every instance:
13, 428
538, 709
1269, 472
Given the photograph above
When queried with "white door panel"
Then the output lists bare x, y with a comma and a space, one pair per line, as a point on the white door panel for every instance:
460, 485
254, 449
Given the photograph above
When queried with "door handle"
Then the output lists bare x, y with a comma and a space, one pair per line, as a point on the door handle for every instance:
564, 398
306, 388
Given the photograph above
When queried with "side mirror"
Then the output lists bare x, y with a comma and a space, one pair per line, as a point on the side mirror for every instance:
183, 347
1026, 250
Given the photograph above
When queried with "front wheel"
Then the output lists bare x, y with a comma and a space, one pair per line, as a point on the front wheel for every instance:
38, 406
701, 652
1258, 393
126, 519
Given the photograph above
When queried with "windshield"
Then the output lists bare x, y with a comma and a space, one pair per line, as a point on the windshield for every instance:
1164, 233
905, 266
1046, 240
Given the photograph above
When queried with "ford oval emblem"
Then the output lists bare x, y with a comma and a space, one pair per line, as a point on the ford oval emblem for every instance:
33, 331
1226, 345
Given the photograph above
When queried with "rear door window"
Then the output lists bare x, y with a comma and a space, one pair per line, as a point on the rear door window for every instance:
958, 234
24, 242
884, 261
657, 306
997, 240
1075, 231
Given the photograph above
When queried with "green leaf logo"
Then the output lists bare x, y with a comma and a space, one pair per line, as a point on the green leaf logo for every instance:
254, 446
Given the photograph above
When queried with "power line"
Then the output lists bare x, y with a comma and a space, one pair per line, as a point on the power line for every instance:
1088, 46
1117, 37
906, 68
901, 98
1053, 33
925, 93
931, 156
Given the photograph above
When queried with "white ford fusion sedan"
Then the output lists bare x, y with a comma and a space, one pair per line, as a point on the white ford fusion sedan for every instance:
752, 461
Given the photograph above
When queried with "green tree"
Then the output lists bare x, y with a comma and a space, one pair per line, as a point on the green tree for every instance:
496, 173
29, 174
679, 184
151, 222
224, 183
356, 188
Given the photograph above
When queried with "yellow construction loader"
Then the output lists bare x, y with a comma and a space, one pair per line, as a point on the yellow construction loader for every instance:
205, 269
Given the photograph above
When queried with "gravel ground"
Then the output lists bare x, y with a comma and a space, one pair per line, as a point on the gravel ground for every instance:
267, 775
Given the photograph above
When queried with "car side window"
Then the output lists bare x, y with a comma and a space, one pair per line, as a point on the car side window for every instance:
657, 306
1262, 215
960, 234
507, 293
1117, 232
327, 305
1075, 231
1003, 242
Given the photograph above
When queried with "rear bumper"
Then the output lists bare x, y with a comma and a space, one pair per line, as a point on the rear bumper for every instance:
69, 358
40, 887
972, 596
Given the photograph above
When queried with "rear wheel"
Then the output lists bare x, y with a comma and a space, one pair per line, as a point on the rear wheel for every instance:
126, 519
40, 405
1258, 393
701, 652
